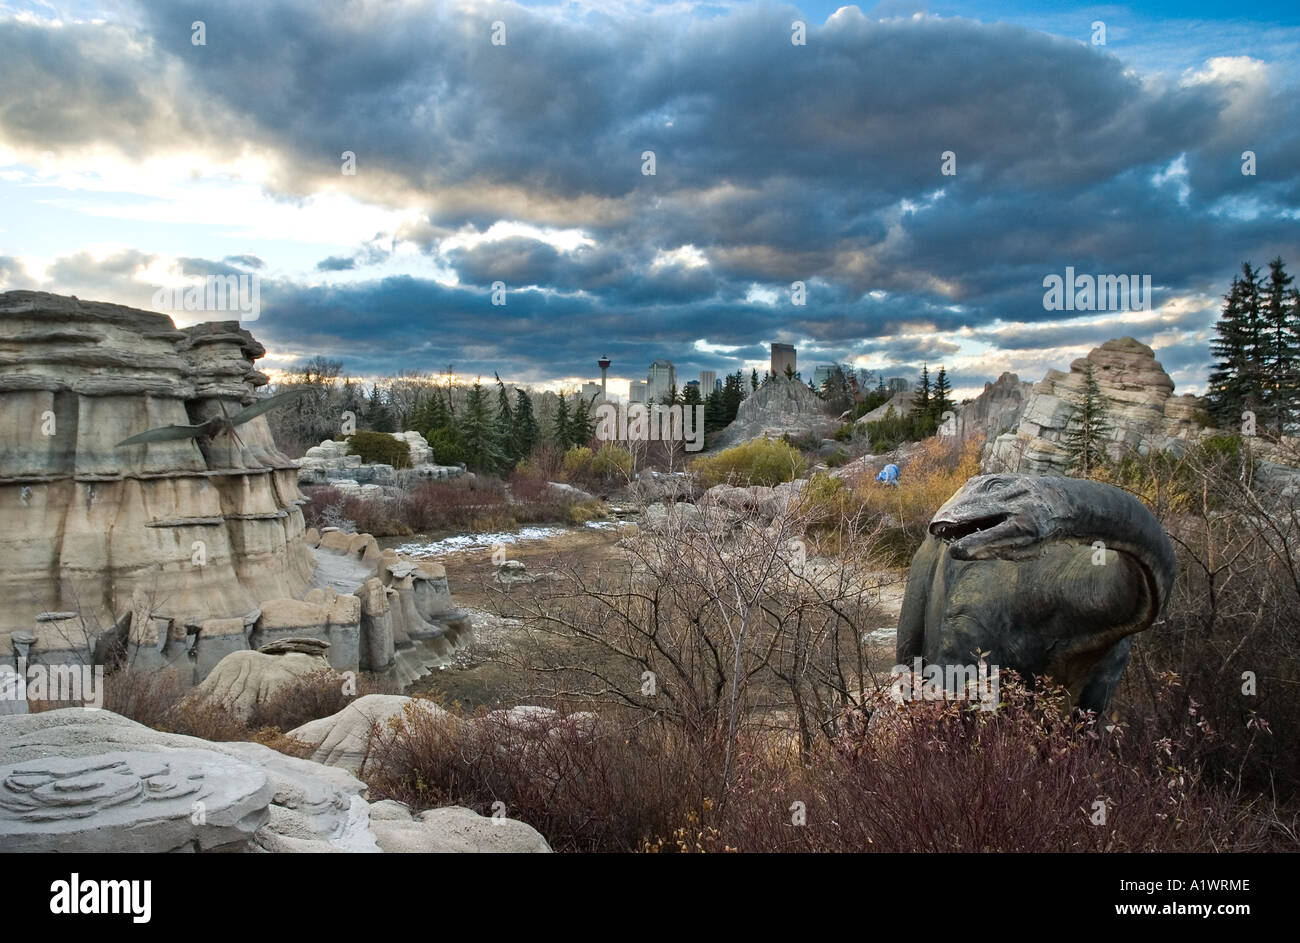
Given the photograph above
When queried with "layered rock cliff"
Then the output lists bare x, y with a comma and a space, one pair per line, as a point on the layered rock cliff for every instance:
1140, 407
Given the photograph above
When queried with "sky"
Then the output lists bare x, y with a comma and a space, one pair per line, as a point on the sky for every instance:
134, 159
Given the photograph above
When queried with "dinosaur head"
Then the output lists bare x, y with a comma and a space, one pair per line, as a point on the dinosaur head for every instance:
991, 517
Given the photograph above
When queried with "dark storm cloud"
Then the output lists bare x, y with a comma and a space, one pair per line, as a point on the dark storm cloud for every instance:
336, 264
777, 163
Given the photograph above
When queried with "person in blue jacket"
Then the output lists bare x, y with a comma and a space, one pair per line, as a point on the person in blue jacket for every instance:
888, 474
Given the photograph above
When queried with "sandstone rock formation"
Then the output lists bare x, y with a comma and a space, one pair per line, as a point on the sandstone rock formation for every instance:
206, 529
1140, 405
181, 551
780, 406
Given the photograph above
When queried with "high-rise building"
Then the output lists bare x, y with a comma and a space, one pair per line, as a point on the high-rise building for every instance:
822, 373
636, 391
783, 356
708, 381
661, 380
590, 390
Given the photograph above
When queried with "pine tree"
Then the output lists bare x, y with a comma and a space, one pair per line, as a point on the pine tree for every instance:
1282, 346
753, 380
715, 411
1087, 428
478, 430
526, 432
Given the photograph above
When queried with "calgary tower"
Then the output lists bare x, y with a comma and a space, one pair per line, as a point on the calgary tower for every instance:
603, 363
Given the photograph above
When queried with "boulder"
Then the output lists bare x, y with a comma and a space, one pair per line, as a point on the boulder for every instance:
343, 740
453, 829
242, 680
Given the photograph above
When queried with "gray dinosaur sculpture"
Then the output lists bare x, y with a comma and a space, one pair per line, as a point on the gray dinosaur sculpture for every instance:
1009, 567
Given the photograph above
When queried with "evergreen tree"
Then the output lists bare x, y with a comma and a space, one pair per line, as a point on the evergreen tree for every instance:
732, 395
921, 402
478, 431
1226, 395
941, 396
583, 426
505, 422
431, 414
526, 432
1282, 347
691, 396
1087, 428
753, 380
789, 372
715, 411
379, 417
562, 430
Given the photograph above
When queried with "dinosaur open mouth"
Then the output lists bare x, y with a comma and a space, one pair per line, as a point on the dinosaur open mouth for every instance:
957, 529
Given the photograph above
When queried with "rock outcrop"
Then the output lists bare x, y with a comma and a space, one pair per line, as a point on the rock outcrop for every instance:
181, 551
1140, 406
997, 410
331, 464
121, 786
343, 740
779, 407
205, 528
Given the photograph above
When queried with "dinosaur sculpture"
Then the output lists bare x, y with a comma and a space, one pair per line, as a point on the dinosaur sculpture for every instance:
1050, 576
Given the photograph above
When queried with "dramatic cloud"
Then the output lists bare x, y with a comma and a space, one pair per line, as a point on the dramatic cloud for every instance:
523, 163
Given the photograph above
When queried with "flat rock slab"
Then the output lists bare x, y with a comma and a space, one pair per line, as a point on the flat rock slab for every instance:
305, 646
184, 800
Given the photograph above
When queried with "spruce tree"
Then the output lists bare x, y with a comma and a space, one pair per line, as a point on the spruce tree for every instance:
505, 422
732, 395
1087, 428
562, 430
478, 430
583, 425
526, 432
1282, 348
753, 379
1227, 398
941, 396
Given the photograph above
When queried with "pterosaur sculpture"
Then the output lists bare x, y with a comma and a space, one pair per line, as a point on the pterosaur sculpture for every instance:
214, 426
1049, 576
